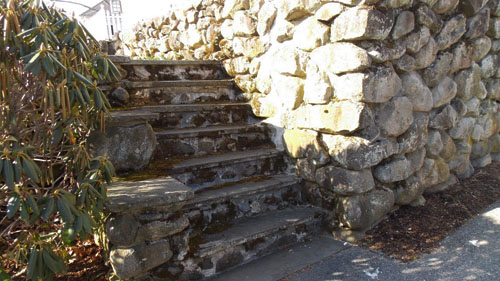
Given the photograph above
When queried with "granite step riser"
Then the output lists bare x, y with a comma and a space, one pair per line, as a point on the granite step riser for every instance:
220, 260
210, 217
173, 72
190, 119
202, 177
168, 147
187, 95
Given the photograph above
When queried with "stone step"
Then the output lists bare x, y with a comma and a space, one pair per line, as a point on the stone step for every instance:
177, 116
217, 169
148, 194
251, 237
285, 262
200, 115
212, 208
181, 83
183, 92
173, 70
206, 140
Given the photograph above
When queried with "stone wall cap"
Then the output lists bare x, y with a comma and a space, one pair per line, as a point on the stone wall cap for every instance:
126, 197
119, 59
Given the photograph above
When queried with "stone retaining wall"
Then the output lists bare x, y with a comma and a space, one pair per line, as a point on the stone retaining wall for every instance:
381, 101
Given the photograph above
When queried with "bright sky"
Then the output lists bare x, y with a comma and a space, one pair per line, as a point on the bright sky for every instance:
133, 10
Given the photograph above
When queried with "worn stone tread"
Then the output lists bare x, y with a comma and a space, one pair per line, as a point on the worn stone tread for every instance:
126, 196
172, 108
224, 159
249, 228
208, 197
210, 131
132, 115
177, 83
173, 62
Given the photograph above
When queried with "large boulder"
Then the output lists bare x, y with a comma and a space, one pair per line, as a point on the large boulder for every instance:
129, 147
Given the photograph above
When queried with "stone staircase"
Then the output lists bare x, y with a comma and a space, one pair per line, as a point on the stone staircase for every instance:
217, 192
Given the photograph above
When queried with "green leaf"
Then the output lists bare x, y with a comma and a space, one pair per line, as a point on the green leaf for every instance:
48, 66
31, 170
53, 262
64, 210
18, 169
33, 204
37, 67
32, 262
48, 209
25, 216
83, 78
8, 174
97, 99
85, 94
78, 224
13, 205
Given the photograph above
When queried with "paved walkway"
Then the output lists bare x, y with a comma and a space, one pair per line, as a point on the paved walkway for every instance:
471, 253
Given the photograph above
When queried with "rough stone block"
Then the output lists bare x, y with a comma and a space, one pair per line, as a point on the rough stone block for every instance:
338, 117
311, 34
435, 73
329, 11
266, 17
132, 262
452, 32
157, 230
361, 24
416, 135
444, 92
362, 211
341, 58
356, 153
395, 117
405, 23
426, 16
304, 144
345, 182
478, 25
374, 87
418, 93
397, 169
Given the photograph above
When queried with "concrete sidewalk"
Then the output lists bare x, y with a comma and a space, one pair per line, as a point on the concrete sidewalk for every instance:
471, 253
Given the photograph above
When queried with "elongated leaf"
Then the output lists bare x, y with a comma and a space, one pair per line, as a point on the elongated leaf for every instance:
18, 169
13, 205
48, 209
83, 78
8, 174
48, 66
97, 99
85, 94
53, 263
31, 170
32, 262
25, 216
33, 204
64, 210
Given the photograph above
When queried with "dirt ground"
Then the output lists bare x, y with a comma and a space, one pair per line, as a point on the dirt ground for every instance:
410, 232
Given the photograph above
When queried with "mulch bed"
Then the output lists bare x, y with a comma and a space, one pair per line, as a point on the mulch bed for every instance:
410, 232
